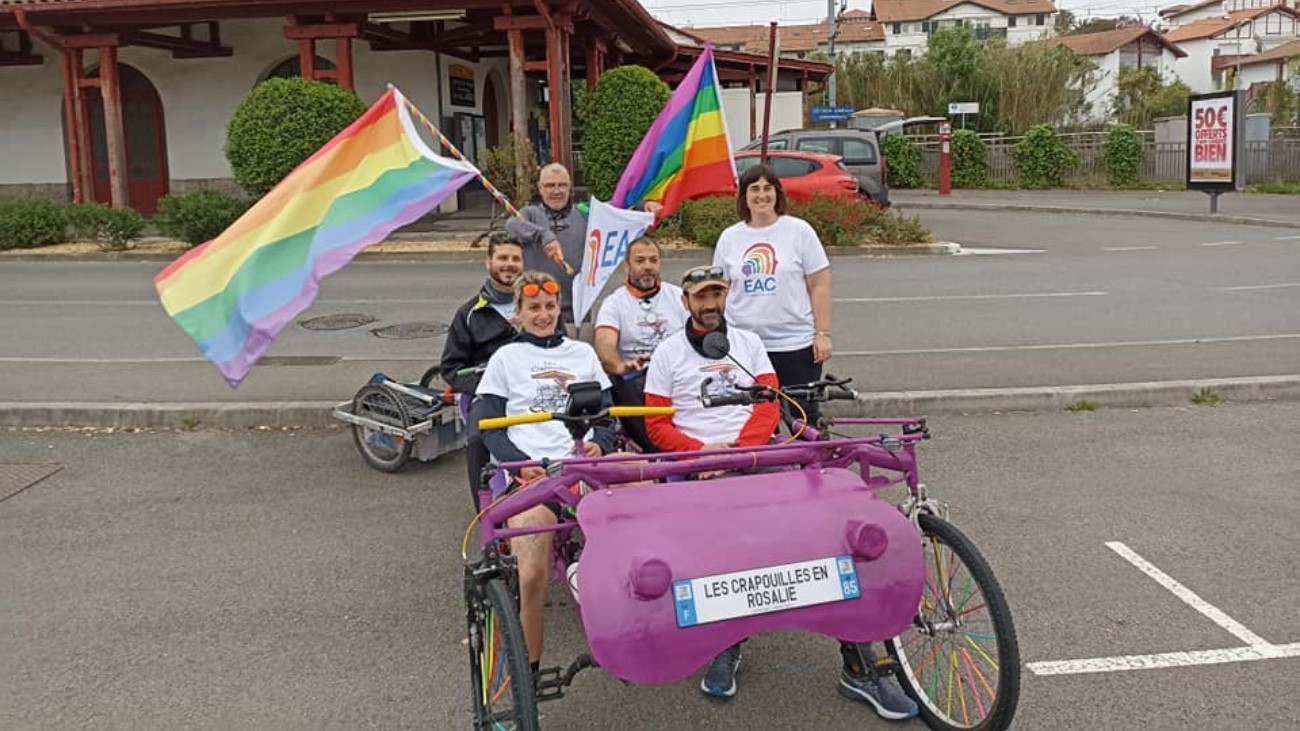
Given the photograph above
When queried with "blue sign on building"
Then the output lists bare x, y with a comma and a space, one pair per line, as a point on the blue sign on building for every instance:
831, 114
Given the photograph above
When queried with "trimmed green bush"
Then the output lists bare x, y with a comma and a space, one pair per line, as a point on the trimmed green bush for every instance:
838, 222
904, 159
704, 219
28, 224
198, 216
615, 118
970, 165
1042, 159
281, 123
113, 229
1122, 154
896, 229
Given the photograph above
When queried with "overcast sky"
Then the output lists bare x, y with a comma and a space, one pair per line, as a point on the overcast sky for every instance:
761, 12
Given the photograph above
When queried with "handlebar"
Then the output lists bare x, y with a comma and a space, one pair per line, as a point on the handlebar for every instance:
829, 388
537, 417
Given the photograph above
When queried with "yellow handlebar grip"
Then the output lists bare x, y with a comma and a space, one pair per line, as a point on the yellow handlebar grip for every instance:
501, 422
625, 411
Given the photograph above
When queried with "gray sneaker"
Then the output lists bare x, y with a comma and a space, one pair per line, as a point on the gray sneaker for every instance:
719, 679
879, 688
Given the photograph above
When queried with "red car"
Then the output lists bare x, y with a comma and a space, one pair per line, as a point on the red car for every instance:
804, 174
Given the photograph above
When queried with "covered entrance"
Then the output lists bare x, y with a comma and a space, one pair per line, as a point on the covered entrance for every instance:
144, 134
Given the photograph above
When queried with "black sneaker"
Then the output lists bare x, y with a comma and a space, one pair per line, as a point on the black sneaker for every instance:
719, 679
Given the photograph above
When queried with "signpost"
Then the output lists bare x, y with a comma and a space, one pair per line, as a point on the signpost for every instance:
963, 108
830, 114
1215, 130
945, 158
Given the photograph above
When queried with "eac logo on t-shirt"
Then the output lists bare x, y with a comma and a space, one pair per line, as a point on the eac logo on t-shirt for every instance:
758, 267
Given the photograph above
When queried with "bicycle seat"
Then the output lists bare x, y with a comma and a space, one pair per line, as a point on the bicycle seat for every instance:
674, 573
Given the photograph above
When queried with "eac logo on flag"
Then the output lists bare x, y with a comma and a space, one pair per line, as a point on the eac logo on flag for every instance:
610, 231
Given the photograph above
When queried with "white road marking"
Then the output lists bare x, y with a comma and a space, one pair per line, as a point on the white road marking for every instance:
1067, 346
1163, 660
1128, 248
1260, 286
952, 297
158, 304
1211, 612
969, 251
1222, 243
1287, 238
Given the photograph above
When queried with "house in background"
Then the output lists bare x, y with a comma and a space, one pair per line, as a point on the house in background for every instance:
857, 33
1236, 33
1176, 16
1278, 64
1113, 51
909, 23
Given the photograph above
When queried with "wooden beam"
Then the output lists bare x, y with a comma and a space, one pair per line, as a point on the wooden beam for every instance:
323, 30
528, 22
92, 40
114, 129
179, 46
537, 66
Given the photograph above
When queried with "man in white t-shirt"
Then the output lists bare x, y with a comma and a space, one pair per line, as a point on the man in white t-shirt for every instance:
632, 322
676, 373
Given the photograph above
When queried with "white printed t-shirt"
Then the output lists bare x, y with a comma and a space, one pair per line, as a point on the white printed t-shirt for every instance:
676, 372
768, 268
531, 378
642, 324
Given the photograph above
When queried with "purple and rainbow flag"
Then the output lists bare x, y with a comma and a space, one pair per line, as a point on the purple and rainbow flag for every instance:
686, 153
235, 293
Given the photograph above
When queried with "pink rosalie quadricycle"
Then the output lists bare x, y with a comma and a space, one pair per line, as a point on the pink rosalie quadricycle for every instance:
666, 571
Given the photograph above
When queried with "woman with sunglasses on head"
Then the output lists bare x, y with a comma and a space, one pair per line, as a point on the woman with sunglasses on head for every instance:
532, 374
780, 280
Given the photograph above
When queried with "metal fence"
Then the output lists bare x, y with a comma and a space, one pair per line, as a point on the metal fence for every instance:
1275, 160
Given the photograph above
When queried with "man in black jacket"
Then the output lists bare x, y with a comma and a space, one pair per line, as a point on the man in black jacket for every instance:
479, 327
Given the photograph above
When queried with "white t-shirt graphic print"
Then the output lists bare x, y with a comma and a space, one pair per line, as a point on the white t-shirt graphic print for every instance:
531, 379
677, 371
642, 324
768, 268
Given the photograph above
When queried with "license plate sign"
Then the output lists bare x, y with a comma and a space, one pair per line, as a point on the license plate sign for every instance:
762, 590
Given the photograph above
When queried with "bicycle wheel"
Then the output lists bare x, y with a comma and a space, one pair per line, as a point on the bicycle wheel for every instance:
381, 450
501, 680
959, 661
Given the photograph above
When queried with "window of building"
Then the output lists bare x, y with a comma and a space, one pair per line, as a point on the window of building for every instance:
1040, 19
905, 52
1273, 24
929, 26
898, 28
1011, 21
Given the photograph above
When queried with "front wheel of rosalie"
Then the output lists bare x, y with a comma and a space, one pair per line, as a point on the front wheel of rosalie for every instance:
960, 660
501, 679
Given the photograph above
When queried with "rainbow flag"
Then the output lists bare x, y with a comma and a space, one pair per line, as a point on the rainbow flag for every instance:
686, 153
235, 293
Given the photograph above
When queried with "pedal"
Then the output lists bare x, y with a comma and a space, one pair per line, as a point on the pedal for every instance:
550, 684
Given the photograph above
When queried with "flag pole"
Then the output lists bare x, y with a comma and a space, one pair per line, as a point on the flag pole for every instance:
487, 184
772, 77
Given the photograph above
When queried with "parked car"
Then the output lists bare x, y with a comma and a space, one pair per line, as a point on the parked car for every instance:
804, 174
858, 149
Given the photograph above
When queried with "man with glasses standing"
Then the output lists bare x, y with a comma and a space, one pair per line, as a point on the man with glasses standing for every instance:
554, 232
632, 321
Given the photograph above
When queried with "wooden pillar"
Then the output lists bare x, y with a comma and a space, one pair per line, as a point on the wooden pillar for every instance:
307, 58
83, 126
566, 94
343, 54
72, 121
557, 82
753, 103
115, 138
518, 85
803, 87
595, 62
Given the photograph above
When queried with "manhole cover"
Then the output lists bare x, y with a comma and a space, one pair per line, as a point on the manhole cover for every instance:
14, 478
343, 321
411, 331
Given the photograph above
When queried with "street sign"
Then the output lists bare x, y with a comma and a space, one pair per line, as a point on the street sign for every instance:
964, 108
830, 114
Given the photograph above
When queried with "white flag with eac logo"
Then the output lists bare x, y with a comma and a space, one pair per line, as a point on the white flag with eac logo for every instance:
609, 232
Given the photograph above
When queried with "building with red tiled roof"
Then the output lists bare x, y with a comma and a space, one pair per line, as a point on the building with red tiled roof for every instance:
909, 23
1236, 33
1113, 51
856, 32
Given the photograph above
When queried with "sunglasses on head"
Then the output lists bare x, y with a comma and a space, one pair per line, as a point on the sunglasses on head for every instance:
532, 289
705, 274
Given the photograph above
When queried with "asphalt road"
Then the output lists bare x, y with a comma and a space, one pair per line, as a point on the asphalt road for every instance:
1038, 300
268, 580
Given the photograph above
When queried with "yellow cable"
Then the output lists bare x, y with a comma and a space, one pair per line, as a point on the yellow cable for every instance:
464, 541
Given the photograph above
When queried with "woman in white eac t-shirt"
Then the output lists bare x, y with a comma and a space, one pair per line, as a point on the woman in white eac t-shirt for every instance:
780, 280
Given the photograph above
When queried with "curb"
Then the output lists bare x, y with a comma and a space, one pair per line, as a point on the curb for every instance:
476, 255
1027, 208
316, 414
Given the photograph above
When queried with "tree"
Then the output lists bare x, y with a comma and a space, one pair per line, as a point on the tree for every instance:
616, 116
281, 123
1142, 96
1064, 22
1277, 100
